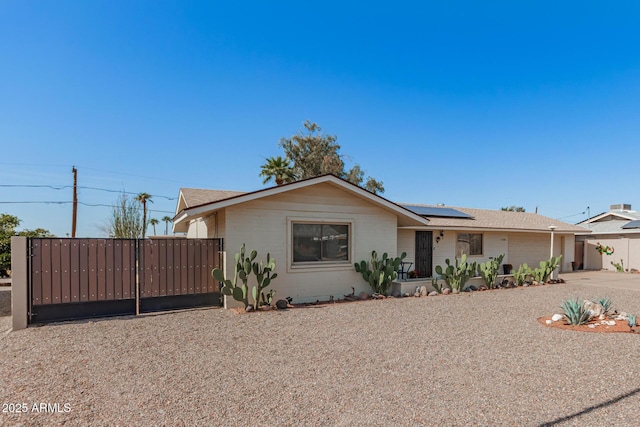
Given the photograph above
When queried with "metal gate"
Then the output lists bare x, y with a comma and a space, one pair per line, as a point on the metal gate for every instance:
424, 253
83, 278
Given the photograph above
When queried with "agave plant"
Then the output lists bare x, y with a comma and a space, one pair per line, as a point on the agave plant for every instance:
575, 312
631, 320
605, 302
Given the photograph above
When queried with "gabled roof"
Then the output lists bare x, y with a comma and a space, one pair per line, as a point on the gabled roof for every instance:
612, 222
190, 197
485, 219
213, 200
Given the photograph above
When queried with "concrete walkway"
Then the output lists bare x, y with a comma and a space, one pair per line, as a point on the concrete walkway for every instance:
607, 279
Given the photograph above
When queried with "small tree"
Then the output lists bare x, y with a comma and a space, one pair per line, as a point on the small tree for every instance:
153, 223
144, 198
166, 220
277, 169
8, 225
313, 153
513, 208
126, 221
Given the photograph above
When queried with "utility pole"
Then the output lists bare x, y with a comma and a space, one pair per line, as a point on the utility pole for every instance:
75, 202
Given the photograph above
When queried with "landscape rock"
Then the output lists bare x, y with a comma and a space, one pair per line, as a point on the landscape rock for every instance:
472, 288
446, 291
423, 291
594, 309
482, 288
396, 294
282, 304
556, 317
433, 294
248, 309
548, 322
416, 294
363, 296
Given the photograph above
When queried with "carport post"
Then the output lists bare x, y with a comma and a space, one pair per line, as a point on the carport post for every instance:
552, 228
19, 283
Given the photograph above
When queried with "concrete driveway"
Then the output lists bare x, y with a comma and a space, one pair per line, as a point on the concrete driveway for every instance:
606, 279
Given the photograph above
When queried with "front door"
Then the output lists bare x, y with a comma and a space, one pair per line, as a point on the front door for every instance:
424, 253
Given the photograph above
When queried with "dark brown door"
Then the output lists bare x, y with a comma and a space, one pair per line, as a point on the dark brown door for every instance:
424, 253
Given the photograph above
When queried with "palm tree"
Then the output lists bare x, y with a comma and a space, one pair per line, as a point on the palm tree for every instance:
153, 223
144, 198
279, 169
166, 220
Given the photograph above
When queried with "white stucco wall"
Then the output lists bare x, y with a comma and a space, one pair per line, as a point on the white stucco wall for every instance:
265, 225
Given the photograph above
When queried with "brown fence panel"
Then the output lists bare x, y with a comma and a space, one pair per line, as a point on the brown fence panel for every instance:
84, 269
36, 271
176, 273
74, 270
65, 270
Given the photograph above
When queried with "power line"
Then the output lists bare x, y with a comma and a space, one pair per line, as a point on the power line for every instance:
66, 202
63, 187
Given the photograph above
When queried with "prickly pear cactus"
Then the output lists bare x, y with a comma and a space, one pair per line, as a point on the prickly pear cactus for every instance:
380, 273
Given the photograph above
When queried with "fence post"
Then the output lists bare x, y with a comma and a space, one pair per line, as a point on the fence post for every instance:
138, 277
19, 283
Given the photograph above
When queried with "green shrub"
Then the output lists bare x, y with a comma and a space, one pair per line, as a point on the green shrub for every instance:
489, 271
520, 276
456, 276
379, 274
619, 266
605, 302
244, 266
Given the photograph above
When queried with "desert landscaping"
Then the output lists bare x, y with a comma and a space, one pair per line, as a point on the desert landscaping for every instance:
479, 358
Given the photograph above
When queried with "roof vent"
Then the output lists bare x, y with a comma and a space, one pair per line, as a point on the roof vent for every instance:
620, 207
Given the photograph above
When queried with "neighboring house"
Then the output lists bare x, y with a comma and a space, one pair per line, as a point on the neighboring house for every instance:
618, 229
317, 228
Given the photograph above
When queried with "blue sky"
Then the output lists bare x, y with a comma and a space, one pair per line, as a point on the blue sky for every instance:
477, 104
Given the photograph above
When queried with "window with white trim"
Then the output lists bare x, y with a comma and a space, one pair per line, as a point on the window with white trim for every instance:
469, 244
320, 242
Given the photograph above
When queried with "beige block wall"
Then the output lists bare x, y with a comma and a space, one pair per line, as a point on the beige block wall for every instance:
209, 227
407, 243
626, 249
264, 225
634, 252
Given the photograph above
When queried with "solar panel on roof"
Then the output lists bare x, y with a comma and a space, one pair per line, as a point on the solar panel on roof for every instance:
632, 224
437, 211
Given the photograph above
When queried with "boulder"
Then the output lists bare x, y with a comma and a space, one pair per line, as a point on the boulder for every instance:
423, 291
556, 317
446, 291
363, 296
432, 294
282, 304
594, 309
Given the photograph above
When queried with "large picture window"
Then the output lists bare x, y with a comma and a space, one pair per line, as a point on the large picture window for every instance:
320, 242
470, 244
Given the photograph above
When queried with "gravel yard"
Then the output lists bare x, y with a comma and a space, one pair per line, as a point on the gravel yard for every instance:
469, 359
